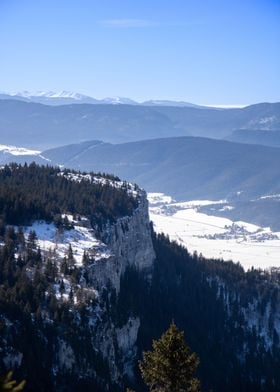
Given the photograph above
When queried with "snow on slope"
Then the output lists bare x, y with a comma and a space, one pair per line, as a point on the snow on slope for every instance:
130, 188
49, 94
81, 237
213, 236
71, 96
13, 150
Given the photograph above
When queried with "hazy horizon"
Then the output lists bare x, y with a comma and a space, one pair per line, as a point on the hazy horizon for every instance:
27, 93
215, 53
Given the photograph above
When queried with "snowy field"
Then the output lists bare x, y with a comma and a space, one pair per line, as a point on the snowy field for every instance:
213, 236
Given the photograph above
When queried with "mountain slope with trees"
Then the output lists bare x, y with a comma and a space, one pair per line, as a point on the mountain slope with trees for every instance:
69, 329
184, 167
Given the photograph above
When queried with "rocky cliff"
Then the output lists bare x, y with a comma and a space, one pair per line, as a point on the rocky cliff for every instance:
129, 241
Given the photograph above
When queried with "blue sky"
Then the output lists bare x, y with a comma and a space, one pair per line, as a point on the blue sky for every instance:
207, 52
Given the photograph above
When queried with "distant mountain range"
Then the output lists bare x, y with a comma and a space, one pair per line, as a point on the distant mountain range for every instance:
190, 168
187, 168
38, 126
69, 97
184, 167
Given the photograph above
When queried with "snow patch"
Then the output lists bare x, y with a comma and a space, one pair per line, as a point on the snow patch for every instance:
275, 196
159, 198
131, 189
13, 150
81, 238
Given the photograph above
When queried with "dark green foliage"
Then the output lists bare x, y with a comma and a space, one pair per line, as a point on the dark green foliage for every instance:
207, 298
8, 384
188, 289
29, 193
33, 320
170, 366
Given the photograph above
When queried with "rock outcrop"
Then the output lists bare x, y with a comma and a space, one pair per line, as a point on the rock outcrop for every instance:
130, 243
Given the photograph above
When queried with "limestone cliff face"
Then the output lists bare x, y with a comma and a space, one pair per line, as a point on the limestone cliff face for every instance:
130, 243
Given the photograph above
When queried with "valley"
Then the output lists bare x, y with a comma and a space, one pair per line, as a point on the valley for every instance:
213, 236
139, 196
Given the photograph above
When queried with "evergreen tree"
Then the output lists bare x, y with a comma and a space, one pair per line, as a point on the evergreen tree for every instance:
170, 367
8, 384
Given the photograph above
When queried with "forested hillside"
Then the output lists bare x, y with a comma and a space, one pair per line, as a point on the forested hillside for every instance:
29, 193
230, 317
184, 167
64, 327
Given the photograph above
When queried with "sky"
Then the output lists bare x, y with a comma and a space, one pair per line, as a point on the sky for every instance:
214, 52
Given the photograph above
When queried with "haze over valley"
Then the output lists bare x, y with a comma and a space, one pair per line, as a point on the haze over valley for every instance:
239, 170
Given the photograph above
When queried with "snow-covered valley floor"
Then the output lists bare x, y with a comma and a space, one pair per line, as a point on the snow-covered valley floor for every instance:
213, 236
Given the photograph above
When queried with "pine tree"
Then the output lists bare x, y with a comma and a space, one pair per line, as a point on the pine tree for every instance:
171, 365
86, 259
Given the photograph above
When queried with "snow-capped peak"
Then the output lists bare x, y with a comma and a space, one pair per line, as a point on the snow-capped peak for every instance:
61, 94
119, 101
50, 94
64, 97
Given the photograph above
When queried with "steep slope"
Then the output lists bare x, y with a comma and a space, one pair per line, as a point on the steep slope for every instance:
61, 262
88, 319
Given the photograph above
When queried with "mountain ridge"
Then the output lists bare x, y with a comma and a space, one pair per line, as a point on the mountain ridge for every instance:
39, 126
69, 97
185, 156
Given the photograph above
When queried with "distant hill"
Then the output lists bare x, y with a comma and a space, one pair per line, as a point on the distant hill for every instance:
219, 123
42, 126
184, 167
160, 102
265, 138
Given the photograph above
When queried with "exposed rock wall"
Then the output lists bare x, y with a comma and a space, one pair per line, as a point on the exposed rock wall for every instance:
129, 240
130, 243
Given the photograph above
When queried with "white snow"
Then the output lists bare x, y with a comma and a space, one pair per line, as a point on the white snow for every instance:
78, 177
71, 95
267, 120
13, 150
118, 101
275, 196
216, 237
49, 94
159, 198
226, 208
81, 238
